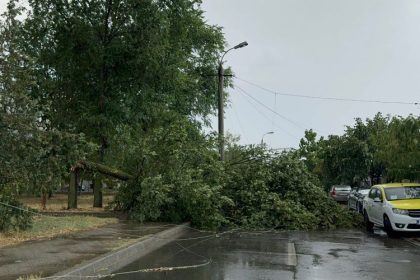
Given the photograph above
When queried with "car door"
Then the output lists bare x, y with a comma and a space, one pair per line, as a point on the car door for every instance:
370, 205
377, 207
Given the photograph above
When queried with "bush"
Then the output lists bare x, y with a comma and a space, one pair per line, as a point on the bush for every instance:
13, 219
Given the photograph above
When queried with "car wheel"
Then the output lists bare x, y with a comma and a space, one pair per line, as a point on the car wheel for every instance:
369, 224
388, 227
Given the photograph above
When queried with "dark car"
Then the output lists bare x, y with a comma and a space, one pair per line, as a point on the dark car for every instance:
340, 193
355, 201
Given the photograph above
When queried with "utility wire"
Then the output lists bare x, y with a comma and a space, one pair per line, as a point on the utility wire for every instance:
328, 98
270, 109
239, 122
268, 119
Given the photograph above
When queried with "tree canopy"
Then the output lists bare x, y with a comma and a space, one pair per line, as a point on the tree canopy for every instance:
382, 148
103, 63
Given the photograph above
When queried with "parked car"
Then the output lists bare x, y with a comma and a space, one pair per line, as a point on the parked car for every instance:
396, 207
356, 196
340, 193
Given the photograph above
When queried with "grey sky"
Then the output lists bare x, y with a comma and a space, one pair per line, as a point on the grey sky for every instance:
362, 49
366, 49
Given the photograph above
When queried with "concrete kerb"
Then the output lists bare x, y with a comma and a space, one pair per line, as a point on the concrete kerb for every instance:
113, 261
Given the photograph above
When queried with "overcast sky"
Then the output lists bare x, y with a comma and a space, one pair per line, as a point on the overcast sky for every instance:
359, 49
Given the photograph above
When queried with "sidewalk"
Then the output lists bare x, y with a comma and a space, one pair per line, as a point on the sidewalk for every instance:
47, 257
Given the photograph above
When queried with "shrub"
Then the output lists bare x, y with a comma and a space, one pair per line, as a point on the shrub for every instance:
12, 217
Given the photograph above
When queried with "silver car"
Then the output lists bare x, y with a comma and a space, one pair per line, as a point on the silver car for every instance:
356, 197
340, 193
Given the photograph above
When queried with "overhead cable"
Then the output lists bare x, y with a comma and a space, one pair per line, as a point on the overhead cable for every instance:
327, 98
268, 119
270, 109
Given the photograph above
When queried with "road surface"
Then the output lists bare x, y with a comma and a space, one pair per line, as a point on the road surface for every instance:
281, 255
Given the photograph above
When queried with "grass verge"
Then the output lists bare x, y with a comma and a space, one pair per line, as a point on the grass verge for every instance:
58, 202
48, 227
30, 277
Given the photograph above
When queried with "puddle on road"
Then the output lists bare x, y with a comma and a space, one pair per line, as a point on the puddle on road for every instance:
336, 252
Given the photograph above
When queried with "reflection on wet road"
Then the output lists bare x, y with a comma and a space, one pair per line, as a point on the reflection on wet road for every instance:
280, 255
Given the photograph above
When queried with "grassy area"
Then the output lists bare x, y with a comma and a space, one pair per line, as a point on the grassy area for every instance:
30, 277
58, 202
47, 227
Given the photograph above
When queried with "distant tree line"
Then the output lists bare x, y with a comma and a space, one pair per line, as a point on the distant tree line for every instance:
383, 148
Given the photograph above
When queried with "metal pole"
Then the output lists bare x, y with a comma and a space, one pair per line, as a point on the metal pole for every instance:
221, 112
262, 138
221, 101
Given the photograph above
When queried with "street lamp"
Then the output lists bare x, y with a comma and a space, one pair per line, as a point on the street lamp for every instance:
262, 138
221, 101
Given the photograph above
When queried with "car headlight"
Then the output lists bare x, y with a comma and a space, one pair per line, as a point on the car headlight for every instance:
400, 211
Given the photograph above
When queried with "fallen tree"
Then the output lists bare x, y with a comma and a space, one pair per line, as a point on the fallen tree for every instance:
97, 190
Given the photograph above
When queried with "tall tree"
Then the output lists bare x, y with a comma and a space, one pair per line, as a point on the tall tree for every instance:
101, 64
104, 62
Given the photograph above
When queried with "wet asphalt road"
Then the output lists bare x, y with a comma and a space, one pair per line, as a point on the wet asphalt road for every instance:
47, 257
287, 255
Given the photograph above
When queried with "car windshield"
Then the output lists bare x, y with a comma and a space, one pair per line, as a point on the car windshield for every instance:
400, 193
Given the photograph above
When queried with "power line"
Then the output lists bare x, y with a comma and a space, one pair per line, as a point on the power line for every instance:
240, 124
270, 109
268, 118
328, 98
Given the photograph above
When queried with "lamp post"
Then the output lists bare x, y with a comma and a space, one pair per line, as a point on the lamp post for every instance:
221, 101
262, 138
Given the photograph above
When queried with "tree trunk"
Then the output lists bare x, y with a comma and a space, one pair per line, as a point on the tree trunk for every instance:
97, 184
43, 200
97, 192
72, 199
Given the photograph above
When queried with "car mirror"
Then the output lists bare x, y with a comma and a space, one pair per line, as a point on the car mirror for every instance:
377, 199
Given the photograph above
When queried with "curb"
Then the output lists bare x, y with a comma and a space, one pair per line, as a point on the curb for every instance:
113, 261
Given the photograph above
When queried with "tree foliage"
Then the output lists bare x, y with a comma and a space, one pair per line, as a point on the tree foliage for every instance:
84, 70
254, 188
277, 191
13, 216
400, 148
103, 63
382, 148
178, 174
